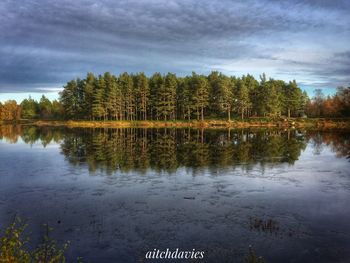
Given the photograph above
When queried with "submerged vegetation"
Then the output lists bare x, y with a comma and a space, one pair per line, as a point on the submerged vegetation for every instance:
131, 97
253, 258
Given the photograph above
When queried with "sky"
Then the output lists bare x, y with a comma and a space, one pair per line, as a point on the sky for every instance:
44, 44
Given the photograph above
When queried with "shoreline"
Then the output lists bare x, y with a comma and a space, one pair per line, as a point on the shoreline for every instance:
248, 123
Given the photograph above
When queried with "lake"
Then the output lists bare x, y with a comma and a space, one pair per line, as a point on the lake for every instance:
117, 193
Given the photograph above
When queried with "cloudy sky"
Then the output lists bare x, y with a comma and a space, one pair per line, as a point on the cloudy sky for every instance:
45, 43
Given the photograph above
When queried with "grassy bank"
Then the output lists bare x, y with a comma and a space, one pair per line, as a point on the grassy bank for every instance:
252, 122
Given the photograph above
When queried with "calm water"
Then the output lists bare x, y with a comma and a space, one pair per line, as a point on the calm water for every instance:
117, 193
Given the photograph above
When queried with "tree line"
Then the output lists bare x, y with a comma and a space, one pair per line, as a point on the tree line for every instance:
31, 109
337, 105
169, 97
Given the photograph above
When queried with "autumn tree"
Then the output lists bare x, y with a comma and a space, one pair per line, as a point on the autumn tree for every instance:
10, 111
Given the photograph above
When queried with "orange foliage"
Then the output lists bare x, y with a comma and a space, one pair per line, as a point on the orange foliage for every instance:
10, 110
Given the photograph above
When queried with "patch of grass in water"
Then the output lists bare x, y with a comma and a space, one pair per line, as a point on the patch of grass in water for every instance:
253, 258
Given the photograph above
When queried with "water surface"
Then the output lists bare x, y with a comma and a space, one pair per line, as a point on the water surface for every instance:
117, 193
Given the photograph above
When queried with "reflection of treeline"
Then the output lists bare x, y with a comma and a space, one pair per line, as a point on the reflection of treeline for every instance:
10, 132
168, 149
338, 141
30, 134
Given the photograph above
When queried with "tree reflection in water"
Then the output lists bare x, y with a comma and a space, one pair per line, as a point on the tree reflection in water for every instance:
164, 149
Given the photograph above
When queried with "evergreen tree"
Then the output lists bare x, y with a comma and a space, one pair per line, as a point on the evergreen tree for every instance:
293, 98
156, 84
221, 91
127, 87
185, 98
167, 97
45, 107
273, 98
143, 94
342, 101
115, 99
56, 109
111, 96
80, 98
98, 105
89, 87
30, 108
262, 96
253, 85
69, 99
137, 97
243, 98
200, 91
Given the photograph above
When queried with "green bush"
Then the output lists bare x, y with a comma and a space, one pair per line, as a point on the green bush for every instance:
14, 246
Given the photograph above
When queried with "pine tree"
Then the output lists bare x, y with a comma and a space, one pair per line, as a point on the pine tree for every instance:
221, 91
98, 110
253, 85
80, 98
45, 108
136, 97
69, 99
115, 100
293, 98
143, 93
57, 109
90, 83
112, 96
127, 87
156, 84
243, 99
167, 97
30, 108
185, 98
273, 98
200, 91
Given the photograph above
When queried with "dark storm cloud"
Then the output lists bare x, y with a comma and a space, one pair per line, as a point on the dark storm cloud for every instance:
45, 43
